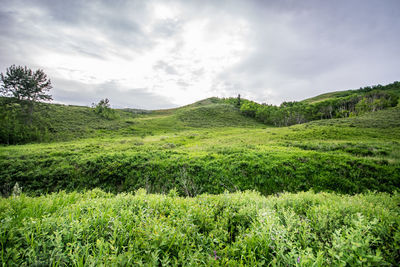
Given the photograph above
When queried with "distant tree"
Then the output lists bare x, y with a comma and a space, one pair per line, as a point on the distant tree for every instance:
104, 109
103, 104
25, 86
376, 100
238, 101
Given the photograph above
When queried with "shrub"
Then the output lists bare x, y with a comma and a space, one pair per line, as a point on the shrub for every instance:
104, 110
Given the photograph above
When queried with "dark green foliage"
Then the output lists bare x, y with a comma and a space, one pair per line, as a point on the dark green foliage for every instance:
230, 169
382, 119
238, 101
14, 128
375, 100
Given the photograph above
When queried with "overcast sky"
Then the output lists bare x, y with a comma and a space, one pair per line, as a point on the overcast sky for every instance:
162, 54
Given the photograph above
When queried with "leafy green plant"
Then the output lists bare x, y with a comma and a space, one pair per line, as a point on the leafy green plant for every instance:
98, 228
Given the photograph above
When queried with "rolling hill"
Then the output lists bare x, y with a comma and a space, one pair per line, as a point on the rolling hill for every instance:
209, 147
390, 88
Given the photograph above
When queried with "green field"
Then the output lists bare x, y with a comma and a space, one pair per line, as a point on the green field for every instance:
321, 193
223, 150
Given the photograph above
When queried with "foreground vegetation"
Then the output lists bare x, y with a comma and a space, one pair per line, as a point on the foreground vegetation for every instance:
303, 229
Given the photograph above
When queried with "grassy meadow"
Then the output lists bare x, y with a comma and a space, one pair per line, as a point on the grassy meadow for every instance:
202, 185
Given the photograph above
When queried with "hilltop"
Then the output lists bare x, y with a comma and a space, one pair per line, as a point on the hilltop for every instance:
393, 88
55, 122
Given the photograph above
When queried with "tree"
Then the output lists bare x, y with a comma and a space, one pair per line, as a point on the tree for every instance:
22, 83
103, 109
26, 87
238, 101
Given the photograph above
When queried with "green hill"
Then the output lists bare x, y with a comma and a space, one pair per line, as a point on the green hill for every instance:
54, 122
390, 88
214, 115
208, 149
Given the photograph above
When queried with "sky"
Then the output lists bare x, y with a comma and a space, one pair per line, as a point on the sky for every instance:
162, 54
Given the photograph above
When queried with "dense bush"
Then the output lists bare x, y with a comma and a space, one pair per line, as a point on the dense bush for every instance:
304, 229
226, 169
104, 109
14, 126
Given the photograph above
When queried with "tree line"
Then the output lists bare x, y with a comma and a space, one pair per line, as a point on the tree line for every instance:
345, 104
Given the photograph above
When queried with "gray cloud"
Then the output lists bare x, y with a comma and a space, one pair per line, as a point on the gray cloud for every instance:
161, 65
287, 50
303, 48
167, 28
76, 93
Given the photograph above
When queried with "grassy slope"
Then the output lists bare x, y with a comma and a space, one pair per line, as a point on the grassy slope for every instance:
75, 122
211, 147
391, 89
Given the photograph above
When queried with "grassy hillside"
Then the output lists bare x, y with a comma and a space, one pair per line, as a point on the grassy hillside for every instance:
214, 115
390, 88
163, 151
54, 122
